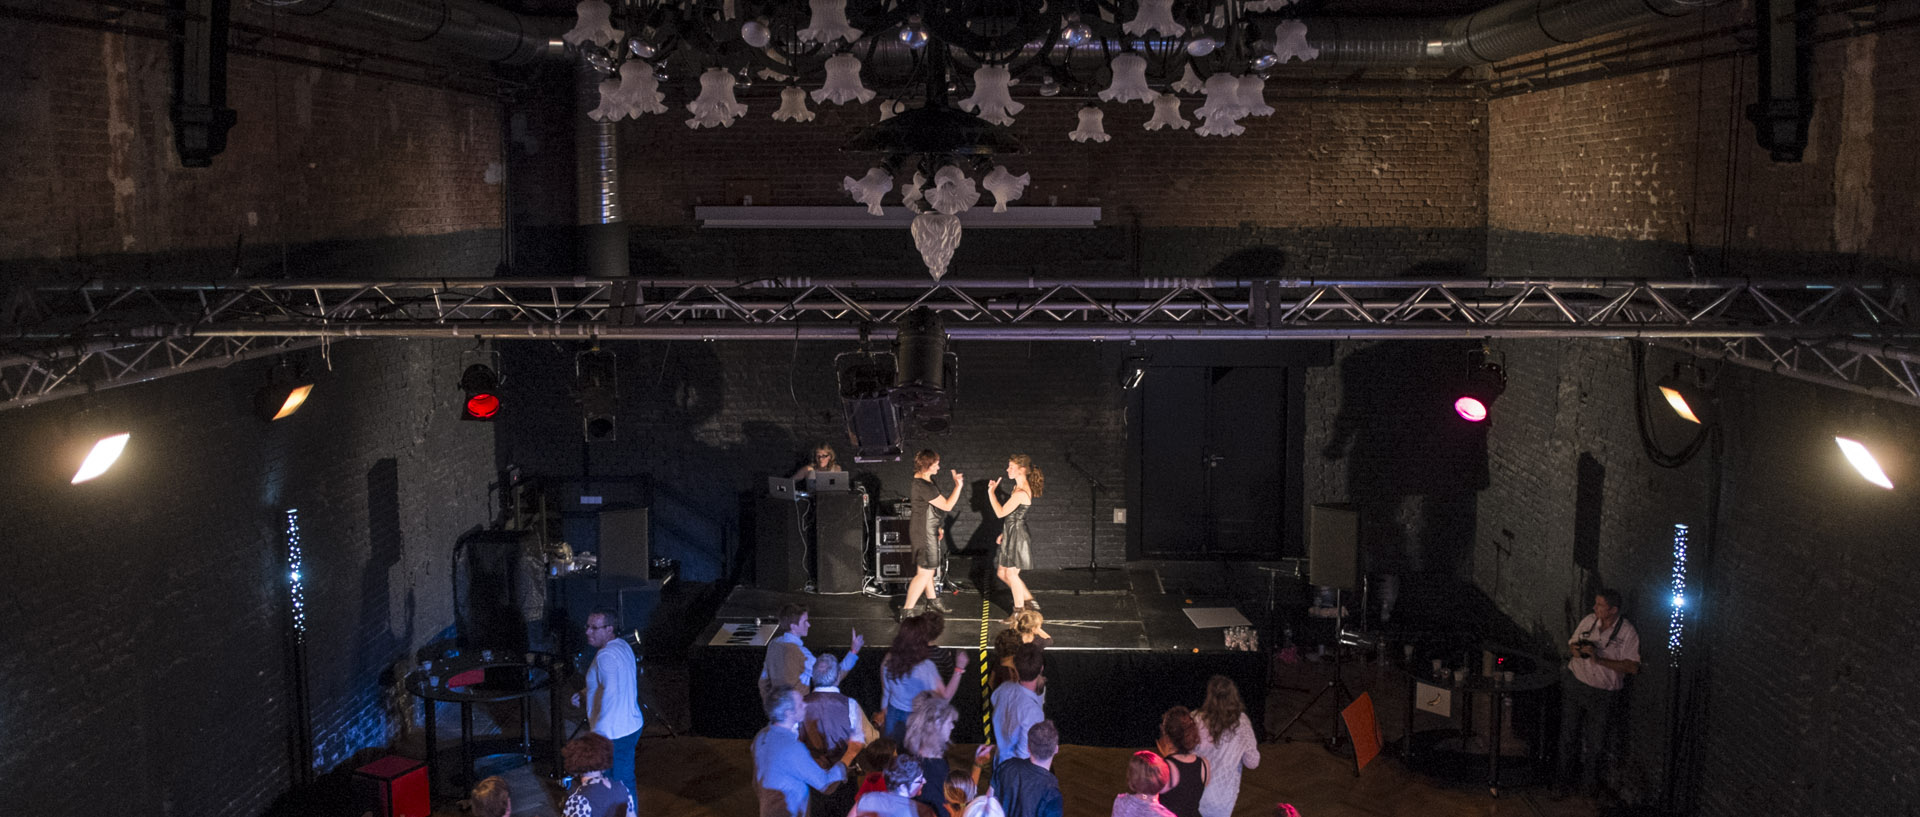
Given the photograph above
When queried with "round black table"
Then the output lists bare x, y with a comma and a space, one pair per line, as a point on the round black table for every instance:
1532, 676
469, 677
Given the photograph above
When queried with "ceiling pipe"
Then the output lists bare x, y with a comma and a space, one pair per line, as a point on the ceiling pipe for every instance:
469, 27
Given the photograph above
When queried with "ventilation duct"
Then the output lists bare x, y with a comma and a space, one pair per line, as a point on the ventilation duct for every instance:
468, 27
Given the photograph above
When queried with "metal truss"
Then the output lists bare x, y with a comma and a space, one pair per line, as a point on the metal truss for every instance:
60, 340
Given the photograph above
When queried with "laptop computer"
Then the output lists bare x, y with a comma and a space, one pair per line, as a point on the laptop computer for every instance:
827, 481
781, 488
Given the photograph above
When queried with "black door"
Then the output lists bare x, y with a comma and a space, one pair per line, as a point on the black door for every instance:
1212, 455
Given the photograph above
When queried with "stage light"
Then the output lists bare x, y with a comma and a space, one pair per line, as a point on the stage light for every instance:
598, 380
1133, 372
278, 402
481, 385
1485, 381
1864, 462
101, 456
1684, 393
925, 373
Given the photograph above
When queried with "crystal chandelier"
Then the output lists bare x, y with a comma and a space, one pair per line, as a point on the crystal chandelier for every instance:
941, 74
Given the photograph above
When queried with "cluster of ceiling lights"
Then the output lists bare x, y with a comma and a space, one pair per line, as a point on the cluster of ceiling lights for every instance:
942, 73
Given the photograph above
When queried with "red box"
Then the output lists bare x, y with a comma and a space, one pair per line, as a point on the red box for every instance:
393, 786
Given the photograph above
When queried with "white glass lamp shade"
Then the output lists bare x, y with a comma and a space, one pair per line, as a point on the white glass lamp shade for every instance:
715, 107
829, 23
869, 189
1253, 96
1223, 98
1290, 42
952, 192
843, 82
993, 95
1156, 15
1005, 186
936, 235
593, 24
1092, 126
793, 106
636, 92
1129, 80
1166, 114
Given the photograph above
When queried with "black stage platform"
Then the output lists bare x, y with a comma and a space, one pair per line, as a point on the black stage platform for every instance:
1123, 652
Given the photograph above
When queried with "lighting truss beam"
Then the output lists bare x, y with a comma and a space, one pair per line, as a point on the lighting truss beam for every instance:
59, 339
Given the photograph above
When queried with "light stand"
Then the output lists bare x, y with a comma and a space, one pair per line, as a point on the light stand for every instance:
1094, 487
1343, 695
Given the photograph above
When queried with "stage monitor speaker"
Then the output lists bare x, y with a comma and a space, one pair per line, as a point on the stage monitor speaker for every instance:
623, 547
840, 532
1333, 546
779, 549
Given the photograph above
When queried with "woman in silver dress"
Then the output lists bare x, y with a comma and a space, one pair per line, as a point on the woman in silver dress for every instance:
1016, 548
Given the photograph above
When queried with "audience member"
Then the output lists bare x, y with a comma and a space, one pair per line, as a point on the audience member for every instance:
783, 769
1228, 745
904, 783
789, 663
929, 732
1025, 786
1147, 776
1018, 706
1178, 736
594, 794
964, 798
874, 762
612, 696
489, 798
908, 670
831, 720
1023, 627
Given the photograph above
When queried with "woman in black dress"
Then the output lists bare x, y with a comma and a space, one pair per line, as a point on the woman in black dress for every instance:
923, 529
1016, 549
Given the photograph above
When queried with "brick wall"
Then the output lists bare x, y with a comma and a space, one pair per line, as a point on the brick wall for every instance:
316, 155
1669, 156
145, 611
1391, 162
1656, 174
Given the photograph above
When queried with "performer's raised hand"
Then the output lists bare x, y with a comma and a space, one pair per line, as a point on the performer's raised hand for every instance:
957, 476
993, 484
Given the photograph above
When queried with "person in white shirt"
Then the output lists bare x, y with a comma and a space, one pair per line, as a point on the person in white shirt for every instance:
612, 697
1606, 649
789, 663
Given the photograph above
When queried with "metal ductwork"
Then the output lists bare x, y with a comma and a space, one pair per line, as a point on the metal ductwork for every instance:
469, 27
596, 156
1501, 32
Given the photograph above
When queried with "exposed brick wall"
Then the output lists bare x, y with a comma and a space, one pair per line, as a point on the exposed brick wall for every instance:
89, 161
144, 612
1669, 156
1313, 164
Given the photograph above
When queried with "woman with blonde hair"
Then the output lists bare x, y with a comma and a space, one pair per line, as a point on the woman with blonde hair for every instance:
1228, 745
929, 732
1023, 627
1016, 548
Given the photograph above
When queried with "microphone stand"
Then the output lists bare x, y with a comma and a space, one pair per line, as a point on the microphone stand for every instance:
1093, 511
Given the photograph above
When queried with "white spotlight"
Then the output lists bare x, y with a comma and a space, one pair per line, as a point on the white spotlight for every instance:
103, 455
1863, 461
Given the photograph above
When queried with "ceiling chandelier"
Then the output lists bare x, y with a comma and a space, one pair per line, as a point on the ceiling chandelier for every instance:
942, 73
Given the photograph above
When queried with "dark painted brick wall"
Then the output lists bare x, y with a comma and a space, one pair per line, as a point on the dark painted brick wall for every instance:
143, 616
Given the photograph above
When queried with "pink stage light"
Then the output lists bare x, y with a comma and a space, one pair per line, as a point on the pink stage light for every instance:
1470, 409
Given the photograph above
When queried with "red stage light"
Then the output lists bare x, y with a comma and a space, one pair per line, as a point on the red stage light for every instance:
1470, 409
483, 406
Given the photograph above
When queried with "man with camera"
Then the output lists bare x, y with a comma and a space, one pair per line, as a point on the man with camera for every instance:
1606, 649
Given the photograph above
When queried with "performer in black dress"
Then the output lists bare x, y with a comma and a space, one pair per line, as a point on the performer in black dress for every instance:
1016, 549
923, 528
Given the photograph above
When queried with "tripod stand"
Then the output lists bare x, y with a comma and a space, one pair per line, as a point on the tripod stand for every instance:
1338, 740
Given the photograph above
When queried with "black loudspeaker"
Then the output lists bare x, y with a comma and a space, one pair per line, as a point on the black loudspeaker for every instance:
779, 550
636, 609
623, 547
840, 531
874, 426
892, 550
1333, 546
487, 573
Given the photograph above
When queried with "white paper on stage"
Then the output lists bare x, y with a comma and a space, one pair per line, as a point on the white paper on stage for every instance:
743, 635
1210, 617
1430, 698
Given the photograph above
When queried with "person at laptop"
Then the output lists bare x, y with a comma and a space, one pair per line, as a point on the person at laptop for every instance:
923, 528
823, 459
